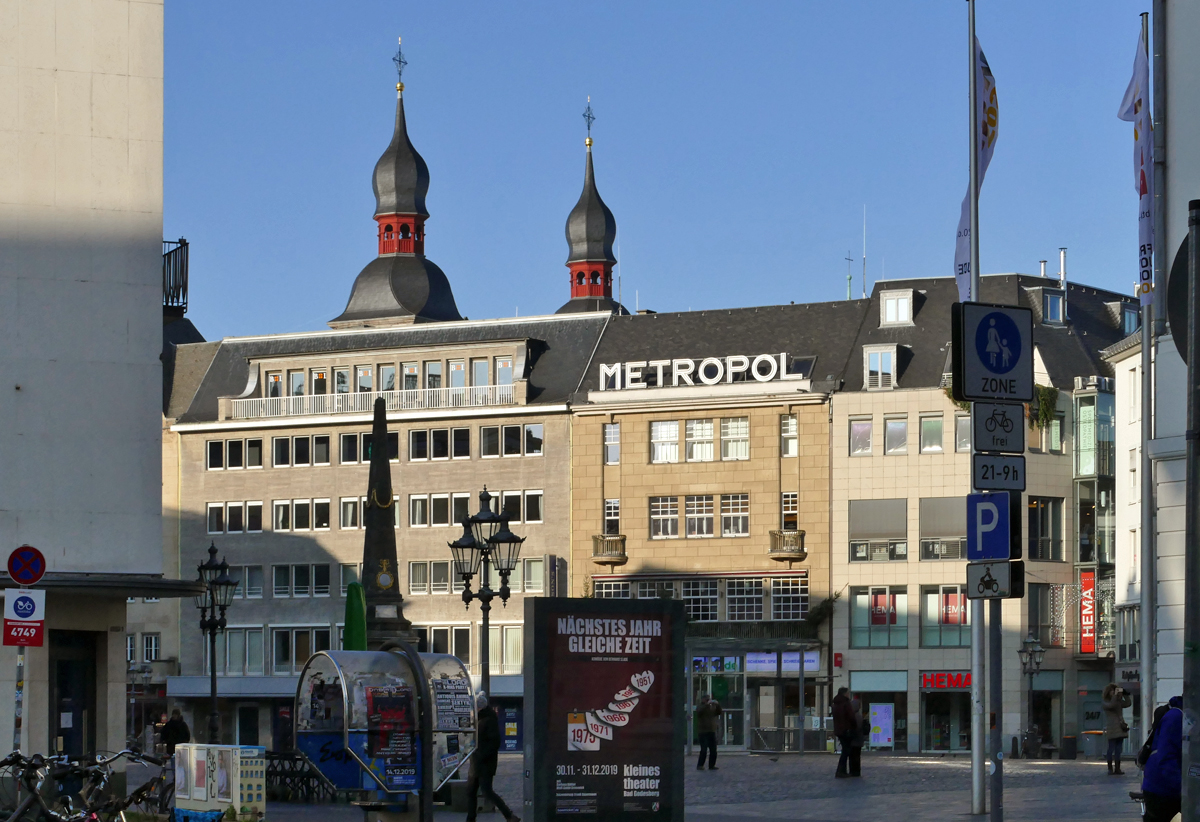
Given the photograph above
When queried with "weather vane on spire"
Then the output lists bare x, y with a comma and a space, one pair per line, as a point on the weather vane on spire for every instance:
589, 118
400, 64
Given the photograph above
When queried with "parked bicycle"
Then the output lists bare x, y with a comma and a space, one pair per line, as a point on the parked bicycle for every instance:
42, 781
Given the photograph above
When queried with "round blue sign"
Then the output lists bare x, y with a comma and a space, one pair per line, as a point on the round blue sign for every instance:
998, 343
24, 607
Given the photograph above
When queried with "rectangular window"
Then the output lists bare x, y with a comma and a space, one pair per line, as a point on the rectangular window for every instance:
282, 656
1130, 320
789, 441
282, 455
533, 439
320, 580
295, 383
1052, 308
512, 440
274, 384
878, 529
320, 381
664, 517
301, 580
320, 449
879, 617
962, 433
418, 511
349, 575
362, 378
534, 578
744, 600
301, 451
504, 371
235, 453
860, 438
216, 518
387, 378
1054, 439
789, 598
895, 436
698, 439
439, 577
235, 518
151, 647
698, 513
1133, 472
321, 514
664, 441
253, 581
656, 590
368, 441
393, 446
282, 580
283, 515
944, 617
700, 599
235, 644
931, 435
611, 590
461, 443
878, 550
254, 517
433, 375
301, 515
533, 506
897, 309
510, 505
1045, 528
341, 380
479, 372
612, 517
735, 438
131, 647
418, 577
735, 515
418, 445
790, 509
439, 509
880, 369
489, 441
349, 518
612, 443
460, 507
439, 444
412, 376
254, 453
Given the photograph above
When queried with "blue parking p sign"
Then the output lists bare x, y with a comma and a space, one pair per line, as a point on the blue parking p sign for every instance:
988, 527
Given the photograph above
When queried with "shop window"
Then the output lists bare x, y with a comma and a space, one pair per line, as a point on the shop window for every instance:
931, 435
790, 507
860, 438
944, 621
895, 436
735, 438
612, 517
611, 590
1054, 438
744, 600
664, 517
664, 441
879, 617
735, 515
612, 443
700, 599
698, 514
1045, 528
789, 441
789, 598
698, 437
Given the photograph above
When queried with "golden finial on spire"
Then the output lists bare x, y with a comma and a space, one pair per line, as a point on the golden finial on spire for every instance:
400, 64
588, 118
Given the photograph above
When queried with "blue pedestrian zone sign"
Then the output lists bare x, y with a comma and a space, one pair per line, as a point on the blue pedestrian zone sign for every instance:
992, 352
988, 527
998, 343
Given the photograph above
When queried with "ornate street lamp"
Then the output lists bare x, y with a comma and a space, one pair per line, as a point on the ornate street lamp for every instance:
217, 596
486, 540
1031, 653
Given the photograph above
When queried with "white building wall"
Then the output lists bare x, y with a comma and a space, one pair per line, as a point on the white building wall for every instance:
1127, 373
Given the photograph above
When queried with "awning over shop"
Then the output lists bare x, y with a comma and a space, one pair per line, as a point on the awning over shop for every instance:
114, 585
233, 687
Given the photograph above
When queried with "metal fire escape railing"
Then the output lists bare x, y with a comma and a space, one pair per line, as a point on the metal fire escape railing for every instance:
175, 274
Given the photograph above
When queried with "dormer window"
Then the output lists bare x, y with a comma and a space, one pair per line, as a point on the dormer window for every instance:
879, 367
895, 307
1131, 320
1052, 306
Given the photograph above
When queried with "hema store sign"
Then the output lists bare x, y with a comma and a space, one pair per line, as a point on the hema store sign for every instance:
708, 371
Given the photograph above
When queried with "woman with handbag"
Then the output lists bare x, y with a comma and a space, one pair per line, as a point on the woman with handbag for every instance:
1115, 700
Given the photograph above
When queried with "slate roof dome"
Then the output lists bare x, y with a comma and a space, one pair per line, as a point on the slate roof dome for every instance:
401, 178
591, 227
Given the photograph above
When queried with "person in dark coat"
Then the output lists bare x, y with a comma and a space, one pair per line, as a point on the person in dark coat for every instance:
1114, 701
175, 732
486, 758
1163, 776
843, 725
708, 715
855, 737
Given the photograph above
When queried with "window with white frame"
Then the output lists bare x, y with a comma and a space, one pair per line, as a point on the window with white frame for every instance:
895, 307
349, 516
301, 515
439, 577
698, 515
1052, 306
418, 445
341, 380
511, 440
216, 518
1130, 320
879, 617
534, 436
700, 599
248, 581
931, 434
291, 647
460, 443
439, 509
281, 452
879, 367
320, 515
735, 438
698, 436
895, 436
664, 517
735, 515
790, 510
418, 511
612, 517
860, 437
131, 647
944, 617
301, 450
504, 649
235, 517
656, 589
439, 444
489, 441
243, 652
418, 577
605, 589
274, 386
664, 441
789, 440
349, 448
460, 505
216, 455
510, 505
254, 453
744, 600
962, 433
789, 598
533, 506
350, 573
612, 443
535, 579
1133, 475
235, 454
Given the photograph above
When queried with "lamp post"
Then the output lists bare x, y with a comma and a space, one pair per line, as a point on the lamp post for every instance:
1031, 653
218, 593
486, 540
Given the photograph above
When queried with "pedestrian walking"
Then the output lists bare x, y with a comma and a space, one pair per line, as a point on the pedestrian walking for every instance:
175, 732
856, 737
708, 713
1162, 778
843, 723
1115, 700
487, 754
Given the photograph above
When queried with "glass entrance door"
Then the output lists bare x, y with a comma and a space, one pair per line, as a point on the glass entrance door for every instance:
729, 691
946, 722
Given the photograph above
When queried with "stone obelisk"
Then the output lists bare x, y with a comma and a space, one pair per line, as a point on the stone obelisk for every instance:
381, 574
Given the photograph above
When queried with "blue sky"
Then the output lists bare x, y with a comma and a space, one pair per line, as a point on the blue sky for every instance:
735, 143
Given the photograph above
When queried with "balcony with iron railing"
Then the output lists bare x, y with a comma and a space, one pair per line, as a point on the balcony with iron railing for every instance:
609, 549
787, 546
363, 402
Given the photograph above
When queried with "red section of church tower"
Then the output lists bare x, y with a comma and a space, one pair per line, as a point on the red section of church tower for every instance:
591, 279
401, 233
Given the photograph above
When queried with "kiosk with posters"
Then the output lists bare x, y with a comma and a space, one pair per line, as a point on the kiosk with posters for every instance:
395, 723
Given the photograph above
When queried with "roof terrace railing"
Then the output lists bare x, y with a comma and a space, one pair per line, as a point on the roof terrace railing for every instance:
362, 402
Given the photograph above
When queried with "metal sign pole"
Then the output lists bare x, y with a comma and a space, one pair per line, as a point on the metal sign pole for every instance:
20, 698
1191, 557
995, 686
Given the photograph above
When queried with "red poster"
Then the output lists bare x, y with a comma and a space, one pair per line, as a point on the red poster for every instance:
952, 609
1087, 612
883, 609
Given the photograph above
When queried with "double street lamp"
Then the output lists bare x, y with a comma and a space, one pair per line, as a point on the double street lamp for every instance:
1031, 653
218, 594
486, 541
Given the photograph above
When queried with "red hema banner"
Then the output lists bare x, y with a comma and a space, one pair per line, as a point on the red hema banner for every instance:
1087, 612
24, 616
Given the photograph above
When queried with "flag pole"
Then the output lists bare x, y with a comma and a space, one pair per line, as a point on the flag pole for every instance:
977, 716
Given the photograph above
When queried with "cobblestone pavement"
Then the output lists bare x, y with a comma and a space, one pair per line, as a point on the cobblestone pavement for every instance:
802, 789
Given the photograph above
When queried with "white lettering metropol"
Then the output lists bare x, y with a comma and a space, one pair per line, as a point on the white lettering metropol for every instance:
709, 371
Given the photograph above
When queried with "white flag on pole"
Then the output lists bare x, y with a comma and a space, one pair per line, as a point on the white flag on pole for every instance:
1135, 107
985, 144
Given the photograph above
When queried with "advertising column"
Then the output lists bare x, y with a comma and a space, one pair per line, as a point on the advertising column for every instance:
608, 680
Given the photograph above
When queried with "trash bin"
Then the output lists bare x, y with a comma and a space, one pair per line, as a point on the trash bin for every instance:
1093, 744
1068, 749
